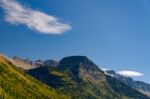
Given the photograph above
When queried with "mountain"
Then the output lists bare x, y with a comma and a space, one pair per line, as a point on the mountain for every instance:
138, 85
16, 84
82, 79
74, 77
50, 62
27, 64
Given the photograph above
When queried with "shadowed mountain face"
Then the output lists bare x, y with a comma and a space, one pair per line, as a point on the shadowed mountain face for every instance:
16, 84
139, 85
82, 79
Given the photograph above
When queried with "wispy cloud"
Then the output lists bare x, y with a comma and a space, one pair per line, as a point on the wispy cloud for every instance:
16, 13
130, 73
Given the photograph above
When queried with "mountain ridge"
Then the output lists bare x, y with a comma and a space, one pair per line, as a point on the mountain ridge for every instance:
27, 64
81, 75
73, 77
139, 85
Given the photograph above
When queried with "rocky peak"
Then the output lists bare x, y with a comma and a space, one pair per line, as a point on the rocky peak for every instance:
50, 62
83, 68
77, 61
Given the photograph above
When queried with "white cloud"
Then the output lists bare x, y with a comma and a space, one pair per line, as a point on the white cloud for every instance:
130, 73
15, 13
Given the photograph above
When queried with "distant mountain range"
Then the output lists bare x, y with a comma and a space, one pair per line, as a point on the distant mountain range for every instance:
27, 64
138, 85
74, 77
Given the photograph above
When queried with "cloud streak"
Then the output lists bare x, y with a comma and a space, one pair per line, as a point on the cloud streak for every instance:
130, 73
16, 13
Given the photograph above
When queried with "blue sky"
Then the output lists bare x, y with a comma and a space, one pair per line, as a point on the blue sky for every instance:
115, 34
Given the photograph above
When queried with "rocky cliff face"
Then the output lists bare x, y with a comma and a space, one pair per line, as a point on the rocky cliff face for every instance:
24, 64
83, 68
27, 64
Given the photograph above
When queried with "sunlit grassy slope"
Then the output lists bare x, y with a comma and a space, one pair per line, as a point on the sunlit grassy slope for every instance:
15, 84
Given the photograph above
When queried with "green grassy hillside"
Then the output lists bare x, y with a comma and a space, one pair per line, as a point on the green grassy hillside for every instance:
15, 84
